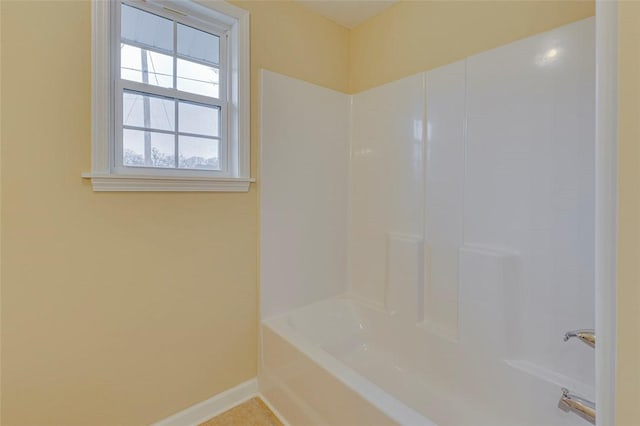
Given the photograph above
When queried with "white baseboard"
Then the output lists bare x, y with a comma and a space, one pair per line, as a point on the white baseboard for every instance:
213, 406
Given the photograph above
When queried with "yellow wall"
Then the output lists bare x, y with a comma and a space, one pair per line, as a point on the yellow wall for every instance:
122, 308
414, 36
289, 39
628, 375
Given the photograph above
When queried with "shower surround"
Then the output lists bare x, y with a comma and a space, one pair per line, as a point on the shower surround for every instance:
425, 244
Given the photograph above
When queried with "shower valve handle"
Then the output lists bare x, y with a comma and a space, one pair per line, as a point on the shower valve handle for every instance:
587, 336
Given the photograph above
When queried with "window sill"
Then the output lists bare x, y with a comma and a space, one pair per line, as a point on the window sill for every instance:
119, 183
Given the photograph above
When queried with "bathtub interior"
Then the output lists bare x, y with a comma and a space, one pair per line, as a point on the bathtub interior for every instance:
447, 383
442, 269
360, 337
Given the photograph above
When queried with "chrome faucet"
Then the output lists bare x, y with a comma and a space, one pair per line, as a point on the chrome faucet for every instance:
584, 408
587, 336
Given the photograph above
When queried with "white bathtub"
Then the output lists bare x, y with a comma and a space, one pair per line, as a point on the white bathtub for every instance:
342, 362
309, 368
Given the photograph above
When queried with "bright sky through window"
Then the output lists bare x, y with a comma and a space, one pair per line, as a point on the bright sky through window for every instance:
158, 52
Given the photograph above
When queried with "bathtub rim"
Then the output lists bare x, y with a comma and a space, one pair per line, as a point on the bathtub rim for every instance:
373, 394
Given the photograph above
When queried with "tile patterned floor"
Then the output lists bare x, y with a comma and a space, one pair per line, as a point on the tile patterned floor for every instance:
251, 413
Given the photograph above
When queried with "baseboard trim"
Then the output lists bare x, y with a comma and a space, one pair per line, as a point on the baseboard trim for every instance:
213, 406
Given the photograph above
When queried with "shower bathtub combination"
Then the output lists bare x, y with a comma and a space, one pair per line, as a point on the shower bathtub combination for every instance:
419, 241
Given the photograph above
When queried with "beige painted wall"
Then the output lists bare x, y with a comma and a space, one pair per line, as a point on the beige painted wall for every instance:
123, 308
414, 36
628, 375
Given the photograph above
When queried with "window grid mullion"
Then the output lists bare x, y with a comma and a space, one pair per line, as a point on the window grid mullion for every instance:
170, 132
170, 93
176, 139
223, 146
148, 129
116, 151
196, 135
223, 114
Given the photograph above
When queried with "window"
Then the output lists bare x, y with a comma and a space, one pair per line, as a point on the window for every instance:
170, 96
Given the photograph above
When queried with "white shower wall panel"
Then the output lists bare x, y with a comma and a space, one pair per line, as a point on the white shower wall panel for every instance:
444, 197
303, 193
387, 181
529, 186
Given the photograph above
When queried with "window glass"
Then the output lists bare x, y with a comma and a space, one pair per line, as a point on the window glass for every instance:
198, 78
199, 119
198, 153
198, 45
146, 29
146, 66
147, 148
151, 112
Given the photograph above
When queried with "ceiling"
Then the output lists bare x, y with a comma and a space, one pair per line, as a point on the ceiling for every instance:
348, 12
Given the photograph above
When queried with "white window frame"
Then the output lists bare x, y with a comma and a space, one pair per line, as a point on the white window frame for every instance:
106, 174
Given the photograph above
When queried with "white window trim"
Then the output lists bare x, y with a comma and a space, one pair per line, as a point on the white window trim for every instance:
103, 176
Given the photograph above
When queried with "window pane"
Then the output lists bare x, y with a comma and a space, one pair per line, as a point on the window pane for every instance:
198, 153
197, 78
200, 119
145, 66
146, 111
198, 45
140, 27
147, 149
